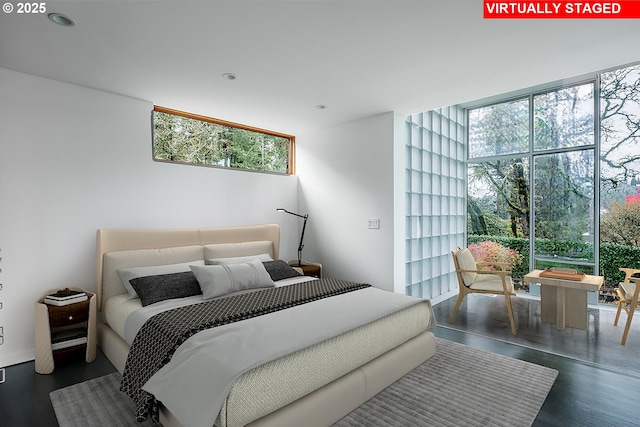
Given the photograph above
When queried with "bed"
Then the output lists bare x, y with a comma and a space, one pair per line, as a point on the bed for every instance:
315, 381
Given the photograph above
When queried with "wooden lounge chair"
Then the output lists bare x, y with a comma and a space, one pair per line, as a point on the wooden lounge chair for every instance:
473, 279
628, 292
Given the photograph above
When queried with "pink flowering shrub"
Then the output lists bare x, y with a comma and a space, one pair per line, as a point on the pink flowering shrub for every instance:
489, 251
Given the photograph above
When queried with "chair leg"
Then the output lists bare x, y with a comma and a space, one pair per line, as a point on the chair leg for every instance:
510, 311
455, 309
632, 308
615, 322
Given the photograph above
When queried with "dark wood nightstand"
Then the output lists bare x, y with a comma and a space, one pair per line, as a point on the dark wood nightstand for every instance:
308, 268
65, 332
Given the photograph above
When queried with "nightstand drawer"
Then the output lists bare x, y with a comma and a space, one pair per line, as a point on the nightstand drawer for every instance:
69, 314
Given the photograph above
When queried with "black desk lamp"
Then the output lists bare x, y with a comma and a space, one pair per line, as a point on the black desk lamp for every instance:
304, 225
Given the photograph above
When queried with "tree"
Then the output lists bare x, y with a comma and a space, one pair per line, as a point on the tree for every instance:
564, 195
500, 129
508, 183
621, 224
187, 140
619, 127
563, 181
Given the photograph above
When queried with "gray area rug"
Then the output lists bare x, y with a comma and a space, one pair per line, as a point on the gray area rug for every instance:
458, 386
95, 403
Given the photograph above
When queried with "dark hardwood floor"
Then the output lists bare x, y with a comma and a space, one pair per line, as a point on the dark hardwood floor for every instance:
486, 315
584, 394
599, 379
24, 396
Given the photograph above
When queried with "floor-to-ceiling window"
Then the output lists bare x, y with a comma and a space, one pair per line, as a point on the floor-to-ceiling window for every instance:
553, 173
619, 151
535, 184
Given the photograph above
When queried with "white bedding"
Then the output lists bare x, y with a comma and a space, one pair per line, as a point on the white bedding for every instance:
262, 340
126, 315
205, 367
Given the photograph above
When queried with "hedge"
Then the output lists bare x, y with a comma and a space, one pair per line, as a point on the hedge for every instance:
612, 255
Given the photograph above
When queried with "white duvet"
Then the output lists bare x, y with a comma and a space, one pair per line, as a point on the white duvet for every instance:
126, 316
197, 380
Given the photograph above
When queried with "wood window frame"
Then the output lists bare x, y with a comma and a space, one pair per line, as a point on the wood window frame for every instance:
291, 138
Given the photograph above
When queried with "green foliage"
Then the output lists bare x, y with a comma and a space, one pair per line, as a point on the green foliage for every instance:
488, 223
564, 184
186, 140
500, 188
499, 191
614, 256
565, 248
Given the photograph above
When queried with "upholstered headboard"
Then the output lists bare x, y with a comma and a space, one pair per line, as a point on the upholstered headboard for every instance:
174, 246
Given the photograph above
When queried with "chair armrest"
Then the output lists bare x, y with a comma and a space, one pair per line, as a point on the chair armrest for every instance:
629, 272
636, 293
501, 273
504, 266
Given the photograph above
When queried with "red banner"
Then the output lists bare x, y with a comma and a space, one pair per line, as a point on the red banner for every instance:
624, 9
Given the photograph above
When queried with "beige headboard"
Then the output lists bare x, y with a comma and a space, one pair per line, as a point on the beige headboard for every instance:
126, 240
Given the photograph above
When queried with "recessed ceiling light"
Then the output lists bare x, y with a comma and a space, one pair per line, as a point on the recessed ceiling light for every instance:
229, 76
61, 19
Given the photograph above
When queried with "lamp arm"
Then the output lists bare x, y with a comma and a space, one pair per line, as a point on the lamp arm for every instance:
301, 245
304, 226
293, 213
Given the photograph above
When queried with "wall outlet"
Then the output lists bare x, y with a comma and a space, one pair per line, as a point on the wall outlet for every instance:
373, 223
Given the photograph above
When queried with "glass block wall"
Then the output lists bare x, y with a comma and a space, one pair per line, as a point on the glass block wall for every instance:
436, 199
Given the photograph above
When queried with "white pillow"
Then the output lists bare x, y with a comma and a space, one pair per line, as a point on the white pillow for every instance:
218, 280
127, 274
238, 259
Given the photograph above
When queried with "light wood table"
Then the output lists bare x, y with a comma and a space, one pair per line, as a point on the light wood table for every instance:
562, 301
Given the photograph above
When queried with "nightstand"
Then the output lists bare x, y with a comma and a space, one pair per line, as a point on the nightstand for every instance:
65, 332
308, 268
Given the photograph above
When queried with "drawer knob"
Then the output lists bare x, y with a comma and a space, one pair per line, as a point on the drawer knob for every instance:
70, 317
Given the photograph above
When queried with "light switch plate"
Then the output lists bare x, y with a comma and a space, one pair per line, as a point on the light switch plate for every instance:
373, 223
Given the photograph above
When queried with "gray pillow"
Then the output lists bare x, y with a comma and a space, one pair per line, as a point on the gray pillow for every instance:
152, 289
279, 270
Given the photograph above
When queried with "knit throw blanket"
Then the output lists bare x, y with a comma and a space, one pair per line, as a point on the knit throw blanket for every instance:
163, 333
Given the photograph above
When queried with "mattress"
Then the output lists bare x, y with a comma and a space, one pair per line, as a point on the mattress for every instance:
282, 381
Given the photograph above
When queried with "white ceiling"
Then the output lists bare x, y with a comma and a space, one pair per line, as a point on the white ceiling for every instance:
357, 57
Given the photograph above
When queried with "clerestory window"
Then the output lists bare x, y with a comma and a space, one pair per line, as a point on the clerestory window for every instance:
187, 138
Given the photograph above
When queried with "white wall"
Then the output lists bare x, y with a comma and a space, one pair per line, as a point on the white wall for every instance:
73, 160
346, 176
